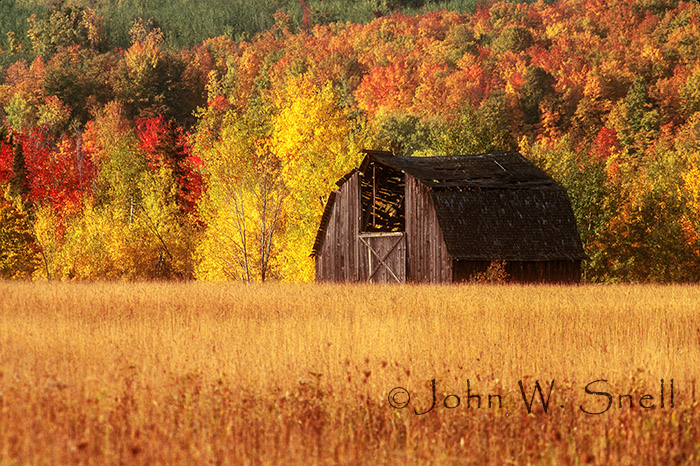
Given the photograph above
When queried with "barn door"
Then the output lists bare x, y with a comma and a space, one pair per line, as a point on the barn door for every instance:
383, 257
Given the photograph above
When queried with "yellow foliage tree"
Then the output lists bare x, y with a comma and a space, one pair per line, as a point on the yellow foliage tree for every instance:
49, 237
107, 241
269, 174
317, 142
19, 253
243, 205
133, 227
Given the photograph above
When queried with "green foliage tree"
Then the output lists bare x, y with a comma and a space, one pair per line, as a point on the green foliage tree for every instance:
388, 6
403, 134
21, 114
477, 131
513, 38
538, 86
149, 81
690, 94
62, 27
19, 186
586, 182
641, 117
77, 79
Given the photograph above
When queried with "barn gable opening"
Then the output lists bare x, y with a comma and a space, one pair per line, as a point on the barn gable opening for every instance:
383, 190
382, 235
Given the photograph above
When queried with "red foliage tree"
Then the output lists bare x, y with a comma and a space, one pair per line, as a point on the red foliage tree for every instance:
166, 145
605, 143
57, 172
5, 161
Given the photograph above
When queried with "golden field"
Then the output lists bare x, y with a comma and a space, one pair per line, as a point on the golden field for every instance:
197, 373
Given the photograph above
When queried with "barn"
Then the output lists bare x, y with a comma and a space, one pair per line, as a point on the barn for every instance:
444, 219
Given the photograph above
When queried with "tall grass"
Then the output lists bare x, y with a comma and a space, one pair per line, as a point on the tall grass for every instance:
200, 373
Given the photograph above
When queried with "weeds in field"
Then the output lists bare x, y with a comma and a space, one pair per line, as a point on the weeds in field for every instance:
494, 273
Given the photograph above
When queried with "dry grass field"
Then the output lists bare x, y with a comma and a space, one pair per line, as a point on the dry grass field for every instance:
195, 373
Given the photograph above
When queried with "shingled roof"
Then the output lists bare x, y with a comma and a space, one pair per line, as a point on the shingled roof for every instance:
530, 224
495, 206
498, 170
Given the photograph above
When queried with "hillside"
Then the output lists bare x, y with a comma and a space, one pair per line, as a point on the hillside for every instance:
213, 160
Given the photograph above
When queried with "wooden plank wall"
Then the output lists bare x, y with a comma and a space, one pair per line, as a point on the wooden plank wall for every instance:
338, 259
428, 260
562, 271
557, 271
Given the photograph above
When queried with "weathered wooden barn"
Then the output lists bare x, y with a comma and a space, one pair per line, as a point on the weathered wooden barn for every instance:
444, 219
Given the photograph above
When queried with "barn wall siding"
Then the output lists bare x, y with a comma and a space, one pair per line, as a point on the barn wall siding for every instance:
561, 271
427, 257
338, 258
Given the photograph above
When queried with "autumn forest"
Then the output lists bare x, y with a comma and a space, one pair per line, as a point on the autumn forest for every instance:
151, 159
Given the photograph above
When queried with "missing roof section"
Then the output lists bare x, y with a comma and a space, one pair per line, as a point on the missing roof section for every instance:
383, 190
